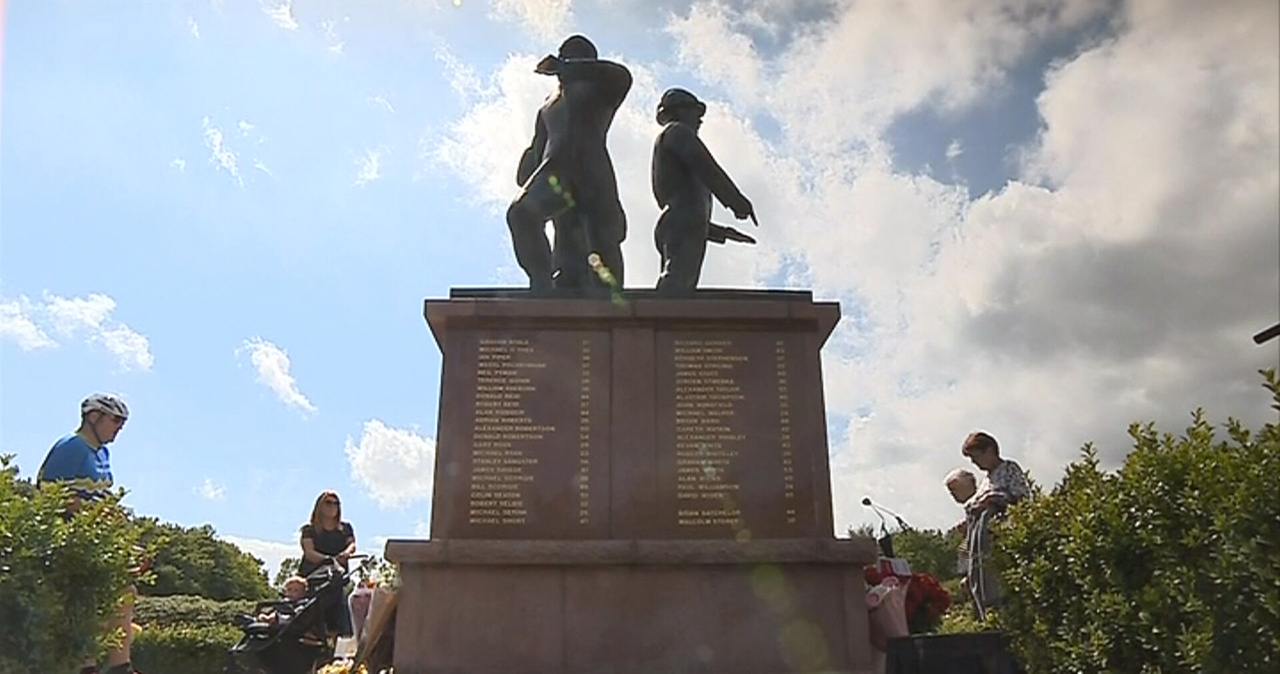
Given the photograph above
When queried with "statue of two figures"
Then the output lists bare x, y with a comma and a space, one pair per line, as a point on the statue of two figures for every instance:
567, 177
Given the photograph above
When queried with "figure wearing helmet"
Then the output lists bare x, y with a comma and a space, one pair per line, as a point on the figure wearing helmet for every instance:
566, 174
685, 176
81, 460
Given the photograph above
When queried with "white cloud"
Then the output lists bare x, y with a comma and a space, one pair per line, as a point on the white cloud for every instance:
130, 348
1122, 289
193, 27
462, 77
272, 553
395, 466
1118, 279
545, 19
367, 167
16, 324
88, 318
179, 164
245, 127
281, 14
840, 82
72, 314
209, 490
221, 154
272, 364
257, 163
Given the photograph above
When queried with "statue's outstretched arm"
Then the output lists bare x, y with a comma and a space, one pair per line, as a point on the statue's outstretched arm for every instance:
612, 79
689, 148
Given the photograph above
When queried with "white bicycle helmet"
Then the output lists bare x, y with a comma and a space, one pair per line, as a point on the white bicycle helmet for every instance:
106, 403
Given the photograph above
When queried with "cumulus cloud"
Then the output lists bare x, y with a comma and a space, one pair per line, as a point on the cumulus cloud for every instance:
842, 80
88, 318
543, 18
271, 553
16, 324
131, 349
272, 365
209, 490
395, 466
1117, 276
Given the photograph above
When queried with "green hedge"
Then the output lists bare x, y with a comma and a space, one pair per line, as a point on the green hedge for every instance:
184, 648
189, 610
1170, 564
61, 580
184, 634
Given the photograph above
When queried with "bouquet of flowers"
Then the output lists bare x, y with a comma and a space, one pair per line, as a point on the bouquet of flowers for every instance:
926, 600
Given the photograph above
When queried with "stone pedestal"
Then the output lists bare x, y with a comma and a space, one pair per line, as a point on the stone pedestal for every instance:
631, 485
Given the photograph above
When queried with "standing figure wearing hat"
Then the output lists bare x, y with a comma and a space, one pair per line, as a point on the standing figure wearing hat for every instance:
685, 175
566, 174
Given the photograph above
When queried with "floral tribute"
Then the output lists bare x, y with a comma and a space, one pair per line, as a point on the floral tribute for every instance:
926, 600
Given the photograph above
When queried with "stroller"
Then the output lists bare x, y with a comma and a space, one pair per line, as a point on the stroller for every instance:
298, 641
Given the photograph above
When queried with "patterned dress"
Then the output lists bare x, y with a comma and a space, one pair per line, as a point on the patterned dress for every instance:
1009, 485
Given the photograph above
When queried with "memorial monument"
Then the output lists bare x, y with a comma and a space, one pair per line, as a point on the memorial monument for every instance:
631, 484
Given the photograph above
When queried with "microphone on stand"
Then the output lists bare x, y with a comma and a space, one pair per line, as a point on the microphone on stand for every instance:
886, 539
884, 526
866, 501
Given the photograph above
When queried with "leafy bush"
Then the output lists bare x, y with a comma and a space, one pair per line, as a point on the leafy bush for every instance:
194, 561
61, 579
930, 551
183, 647
1169, 564
197, 611
962, 619
288, 567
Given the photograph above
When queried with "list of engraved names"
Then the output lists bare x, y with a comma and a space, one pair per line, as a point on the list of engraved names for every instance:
501, 467
708, 397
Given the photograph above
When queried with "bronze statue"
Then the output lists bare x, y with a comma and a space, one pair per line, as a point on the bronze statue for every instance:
685, 175
567, 177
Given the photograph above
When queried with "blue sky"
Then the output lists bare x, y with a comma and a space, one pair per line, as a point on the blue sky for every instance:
1045, 218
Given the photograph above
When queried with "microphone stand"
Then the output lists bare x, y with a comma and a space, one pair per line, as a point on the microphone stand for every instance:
886, 539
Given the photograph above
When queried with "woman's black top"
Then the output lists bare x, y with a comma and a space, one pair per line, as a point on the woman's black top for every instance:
327, 542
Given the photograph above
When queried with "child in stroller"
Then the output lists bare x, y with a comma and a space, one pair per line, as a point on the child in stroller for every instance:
290, 636
277, 612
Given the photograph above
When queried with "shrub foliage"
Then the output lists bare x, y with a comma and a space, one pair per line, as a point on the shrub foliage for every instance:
61, 579
1169, 564
184, 647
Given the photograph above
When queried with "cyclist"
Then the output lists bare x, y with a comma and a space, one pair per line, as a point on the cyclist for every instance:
81, 460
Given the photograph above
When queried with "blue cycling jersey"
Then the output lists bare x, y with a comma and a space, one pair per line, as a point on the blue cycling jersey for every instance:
76, 462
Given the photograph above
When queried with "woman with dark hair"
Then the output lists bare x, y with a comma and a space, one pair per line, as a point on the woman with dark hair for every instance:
327, 537
1003, 485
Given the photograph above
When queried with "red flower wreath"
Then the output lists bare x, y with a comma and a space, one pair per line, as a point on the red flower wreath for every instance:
926, 599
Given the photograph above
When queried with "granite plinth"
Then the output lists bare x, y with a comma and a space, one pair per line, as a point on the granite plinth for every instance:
596, 607
637, 417
631, 484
